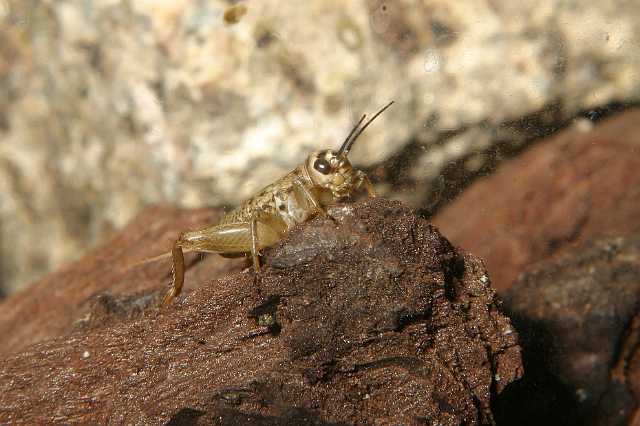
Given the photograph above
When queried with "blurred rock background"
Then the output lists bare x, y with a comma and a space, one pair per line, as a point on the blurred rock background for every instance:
108, 106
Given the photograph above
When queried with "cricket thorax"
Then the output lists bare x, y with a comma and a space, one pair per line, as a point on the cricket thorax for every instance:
283, 204
292, 206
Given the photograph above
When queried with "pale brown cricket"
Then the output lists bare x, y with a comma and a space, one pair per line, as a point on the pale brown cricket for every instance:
324, 178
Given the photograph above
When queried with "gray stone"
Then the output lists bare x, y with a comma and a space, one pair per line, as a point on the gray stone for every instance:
107, 106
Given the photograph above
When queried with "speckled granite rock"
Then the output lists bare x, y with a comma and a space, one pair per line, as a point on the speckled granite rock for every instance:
109, 105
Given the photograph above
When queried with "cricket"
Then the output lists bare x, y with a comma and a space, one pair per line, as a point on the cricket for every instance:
325, 177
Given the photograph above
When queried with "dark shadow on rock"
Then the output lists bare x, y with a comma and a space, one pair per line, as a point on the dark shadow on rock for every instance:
185, 417
539, 398
579, 328
290, 417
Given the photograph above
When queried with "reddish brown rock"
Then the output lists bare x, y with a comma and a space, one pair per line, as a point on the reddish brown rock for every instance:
367, 317
105, 279
580, 329
574, 187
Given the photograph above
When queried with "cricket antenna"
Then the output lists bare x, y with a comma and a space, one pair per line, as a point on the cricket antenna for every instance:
353, 135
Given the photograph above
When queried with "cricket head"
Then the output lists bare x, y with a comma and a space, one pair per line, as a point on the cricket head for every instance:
332, 170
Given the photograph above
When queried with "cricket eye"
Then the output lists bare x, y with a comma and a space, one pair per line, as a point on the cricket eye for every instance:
322, 166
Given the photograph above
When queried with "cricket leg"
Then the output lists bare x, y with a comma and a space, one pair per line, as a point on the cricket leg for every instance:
255, 257
254, 246
230, 238
315, 204
314, 201
363, 181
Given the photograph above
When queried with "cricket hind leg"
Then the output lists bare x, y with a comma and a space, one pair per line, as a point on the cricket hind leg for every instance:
177, 256
230, 238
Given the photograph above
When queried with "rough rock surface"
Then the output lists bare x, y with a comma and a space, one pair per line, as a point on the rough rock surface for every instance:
107, 280
580, 330
367, 317
576, 186
106, 106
